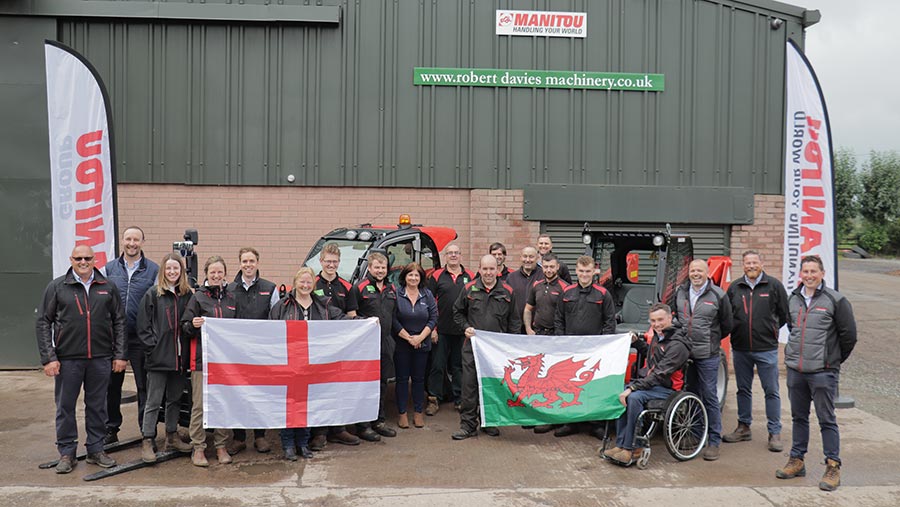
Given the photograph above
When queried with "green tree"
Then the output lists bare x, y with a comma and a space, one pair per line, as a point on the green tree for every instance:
880, 199
847, 188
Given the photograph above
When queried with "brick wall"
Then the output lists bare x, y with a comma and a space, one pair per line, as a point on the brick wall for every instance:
284, 222
765, 235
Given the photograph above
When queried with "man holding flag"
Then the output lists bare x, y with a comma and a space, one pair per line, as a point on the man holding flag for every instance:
486, 305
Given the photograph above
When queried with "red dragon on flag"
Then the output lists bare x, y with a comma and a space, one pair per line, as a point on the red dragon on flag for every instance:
561, 377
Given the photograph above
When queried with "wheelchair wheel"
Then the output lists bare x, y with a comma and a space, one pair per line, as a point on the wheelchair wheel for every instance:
685, 426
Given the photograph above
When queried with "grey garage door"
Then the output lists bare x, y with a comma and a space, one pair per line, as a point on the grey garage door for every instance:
708, 239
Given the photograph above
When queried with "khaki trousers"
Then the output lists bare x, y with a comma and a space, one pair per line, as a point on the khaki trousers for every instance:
198, 434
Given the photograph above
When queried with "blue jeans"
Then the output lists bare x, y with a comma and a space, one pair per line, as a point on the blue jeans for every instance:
636, 403
94, 375
410, 362
767, 368
702, 379
819, 388
294, 437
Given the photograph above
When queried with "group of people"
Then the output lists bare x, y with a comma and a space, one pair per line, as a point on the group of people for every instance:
91, 323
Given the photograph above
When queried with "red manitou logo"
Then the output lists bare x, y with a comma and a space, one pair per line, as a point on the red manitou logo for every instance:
562, 377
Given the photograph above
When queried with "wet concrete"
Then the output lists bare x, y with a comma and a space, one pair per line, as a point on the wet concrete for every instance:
424, 466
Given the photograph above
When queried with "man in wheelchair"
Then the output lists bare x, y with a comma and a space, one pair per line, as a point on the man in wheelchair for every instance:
666, 354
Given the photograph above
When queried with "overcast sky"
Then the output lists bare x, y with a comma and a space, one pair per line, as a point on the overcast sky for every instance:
855, 50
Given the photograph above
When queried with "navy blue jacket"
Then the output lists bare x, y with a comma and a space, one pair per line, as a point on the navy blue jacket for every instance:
415, 317
132, 291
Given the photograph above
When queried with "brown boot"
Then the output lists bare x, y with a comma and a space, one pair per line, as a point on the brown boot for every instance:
832, 478
199, 458
147, 454
433, 406
223, 456
740, 434
418, 420
403, 421
794, 468
174, 443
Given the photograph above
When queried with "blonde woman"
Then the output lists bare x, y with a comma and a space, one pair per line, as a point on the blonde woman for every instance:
159, 329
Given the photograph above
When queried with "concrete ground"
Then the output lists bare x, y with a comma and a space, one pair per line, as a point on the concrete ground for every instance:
424, 466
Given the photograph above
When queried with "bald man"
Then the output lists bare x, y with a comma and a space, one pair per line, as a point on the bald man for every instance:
704, 311
522, 279
80, 332
487, 304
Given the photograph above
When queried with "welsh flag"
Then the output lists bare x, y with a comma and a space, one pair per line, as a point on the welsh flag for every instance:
290, 374
531, 380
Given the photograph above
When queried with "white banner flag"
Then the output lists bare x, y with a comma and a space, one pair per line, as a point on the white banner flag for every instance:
81, 161
290, 374
808, 182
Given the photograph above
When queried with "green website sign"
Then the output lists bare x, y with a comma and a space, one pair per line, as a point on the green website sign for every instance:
435, 76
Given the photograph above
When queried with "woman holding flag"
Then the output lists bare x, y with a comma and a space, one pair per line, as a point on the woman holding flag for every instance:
302, 304
210, 300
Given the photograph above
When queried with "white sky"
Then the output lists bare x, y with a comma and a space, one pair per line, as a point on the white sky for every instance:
855, 50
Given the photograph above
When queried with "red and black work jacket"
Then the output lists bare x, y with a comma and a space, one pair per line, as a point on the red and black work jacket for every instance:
544, 297
321, 308
74, 323
159, 330
758, 313
585, 311
446, 287
372, 302
208, 301
338, 290
488, 310
666, 357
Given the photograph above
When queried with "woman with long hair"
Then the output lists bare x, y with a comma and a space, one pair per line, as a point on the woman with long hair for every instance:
159, 329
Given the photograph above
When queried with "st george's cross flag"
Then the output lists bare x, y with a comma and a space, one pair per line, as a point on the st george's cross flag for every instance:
537, 379
290, 374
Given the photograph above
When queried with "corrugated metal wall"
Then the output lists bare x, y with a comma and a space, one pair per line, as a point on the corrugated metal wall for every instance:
251, 103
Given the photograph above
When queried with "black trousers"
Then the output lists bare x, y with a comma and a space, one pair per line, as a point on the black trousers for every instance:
136, 356
94, 375
468, 410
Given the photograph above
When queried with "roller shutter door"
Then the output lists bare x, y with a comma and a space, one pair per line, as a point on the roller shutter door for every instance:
708, 239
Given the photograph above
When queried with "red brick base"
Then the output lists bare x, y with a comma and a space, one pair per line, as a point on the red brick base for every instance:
765, 235
284, 222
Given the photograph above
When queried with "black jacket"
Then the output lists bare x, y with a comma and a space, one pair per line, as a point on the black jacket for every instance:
758, 313
446, 289
338, 290
585, 311
208, 301
492, 310
76, 324
322, 308
132, 290
370, 302
666, 358
252, 303
521, 284
708, 322
159, 329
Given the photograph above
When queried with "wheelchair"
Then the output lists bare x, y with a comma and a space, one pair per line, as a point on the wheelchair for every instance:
682, 417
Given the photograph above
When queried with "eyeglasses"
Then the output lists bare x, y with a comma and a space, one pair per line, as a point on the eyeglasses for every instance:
80, 259
453, 253
331, 262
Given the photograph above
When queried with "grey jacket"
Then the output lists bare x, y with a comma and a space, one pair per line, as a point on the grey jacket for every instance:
708, 322
822, 335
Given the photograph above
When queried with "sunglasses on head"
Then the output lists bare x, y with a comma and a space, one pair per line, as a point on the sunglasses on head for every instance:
80, 259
